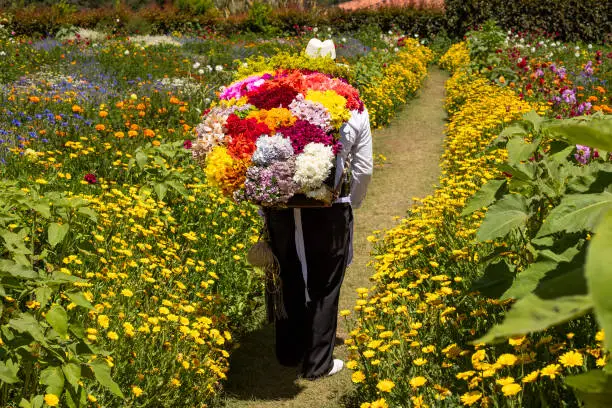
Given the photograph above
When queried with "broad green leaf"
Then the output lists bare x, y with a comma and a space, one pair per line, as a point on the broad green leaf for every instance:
102, 372
532, 314
160, 189
596, 132
506, 214
35, 402
58, 319
26, 323
53, 378
519, 150
17, 270
593, 388
599, 274
534, 119
8, 372
24, 403
42, 209
496, 279
56, 233
79, 299
88, 212
576, 212
72, 371
484, 197
527, 280
43, 294
520, 171
141, 159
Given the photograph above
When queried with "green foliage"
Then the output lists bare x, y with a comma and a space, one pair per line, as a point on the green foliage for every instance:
485, 46
572, 21
44, 348
551, 206
259, 18
194, 6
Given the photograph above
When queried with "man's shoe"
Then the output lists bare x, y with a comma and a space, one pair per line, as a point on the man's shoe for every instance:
338, 366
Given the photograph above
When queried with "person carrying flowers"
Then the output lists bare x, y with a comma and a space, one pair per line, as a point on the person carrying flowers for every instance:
297, 142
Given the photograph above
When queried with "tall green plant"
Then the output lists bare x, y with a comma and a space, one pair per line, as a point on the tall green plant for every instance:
547, 209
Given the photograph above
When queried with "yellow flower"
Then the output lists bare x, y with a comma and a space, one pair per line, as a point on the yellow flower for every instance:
385, 385
419, 362
600, 336
112, 335
127, 293
571, 359
505, 381
470, 398
335, 104
511, 389
418, 382
381, 403
51, 400
358, 377
551, 370
369, 353
531, 377
103, 321
137, 391
507, 359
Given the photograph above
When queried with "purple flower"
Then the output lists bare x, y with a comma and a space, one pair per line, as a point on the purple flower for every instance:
583, 154
569, 96
588, 69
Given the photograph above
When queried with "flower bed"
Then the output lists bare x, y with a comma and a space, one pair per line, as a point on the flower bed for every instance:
415, 338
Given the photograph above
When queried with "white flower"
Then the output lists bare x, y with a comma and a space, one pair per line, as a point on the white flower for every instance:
519, 60
533, 49
577, 54
590, 46
209, 68
2, 53
396, 49
576, 48
328, 28
316, 29
207, 100
423, 41
390, 32
201, 71
196, 65
118, 20
416, 36
313, 166
127, 52
344, 39
218, 68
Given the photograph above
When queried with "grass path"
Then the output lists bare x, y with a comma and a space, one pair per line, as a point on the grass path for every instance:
412, 146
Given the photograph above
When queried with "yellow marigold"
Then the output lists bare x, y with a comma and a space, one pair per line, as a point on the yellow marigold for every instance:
137, 391
419, 362
274, 118
505, 381
358, 377
470, 398
531, 377
51, 400
507, 359
217, 163
511, 389
551, 370
385, 385
334, 103
381, 403
103, 321
571, 359
418, 381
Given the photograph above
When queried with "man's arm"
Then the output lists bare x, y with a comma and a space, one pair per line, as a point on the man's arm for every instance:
362, 162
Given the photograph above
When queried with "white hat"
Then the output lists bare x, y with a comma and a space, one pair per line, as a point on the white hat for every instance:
317, 48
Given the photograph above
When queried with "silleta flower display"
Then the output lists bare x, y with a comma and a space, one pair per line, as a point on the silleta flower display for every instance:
273, 138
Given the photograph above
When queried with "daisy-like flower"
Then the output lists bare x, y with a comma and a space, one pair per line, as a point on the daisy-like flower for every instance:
511, 389
385, 385
470, 398
417, 382
531, 377
551, 371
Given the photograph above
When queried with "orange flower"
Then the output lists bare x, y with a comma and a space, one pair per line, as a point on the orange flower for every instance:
77, 109
34, 99
103, 114
100, 127
149, 133
174, 100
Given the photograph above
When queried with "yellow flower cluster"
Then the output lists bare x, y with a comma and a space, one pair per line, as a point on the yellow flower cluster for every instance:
399, 80
416, 326
457, 56
218, 161
274, 118
334, 103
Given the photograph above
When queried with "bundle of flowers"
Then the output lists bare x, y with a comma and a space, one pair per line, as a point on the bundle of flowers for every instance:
272, 138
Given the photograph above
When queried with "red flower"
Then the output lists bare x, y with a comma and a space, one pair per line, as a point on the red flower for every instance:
271, 95
187, 144
242, 135
90, 178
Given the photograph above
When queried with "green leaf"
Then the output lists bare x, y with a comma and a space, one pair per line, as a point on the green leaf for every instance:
160, 189
89, 213
72, 371
534, 119
53, 378
497, 278
79, 299
26, 323
102, 371
17, 270
519, 151
8, 372
532, 314
520, 171
576, 212
56, 233
506, 214
599, 274
58, 319
488, 193
43, 209
593, 388
596, 132
43, 294
527, 280
141, 159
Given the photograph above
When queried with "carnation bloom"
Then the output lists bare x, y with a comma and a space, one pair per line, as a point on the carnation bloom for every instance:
312, 112
272, 95
313, 166
242, 134
303, 133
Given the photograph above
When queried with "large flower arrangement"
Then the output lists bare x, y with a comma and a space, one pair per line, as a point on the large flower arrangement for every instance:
272, 138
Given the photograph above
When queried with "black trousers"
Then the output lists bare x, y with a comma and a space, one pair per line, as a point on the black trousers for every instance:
309, 333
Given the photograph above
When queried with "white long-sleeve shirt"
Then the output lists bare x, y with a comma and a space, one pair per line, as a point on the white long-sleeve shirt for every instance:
356, 139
